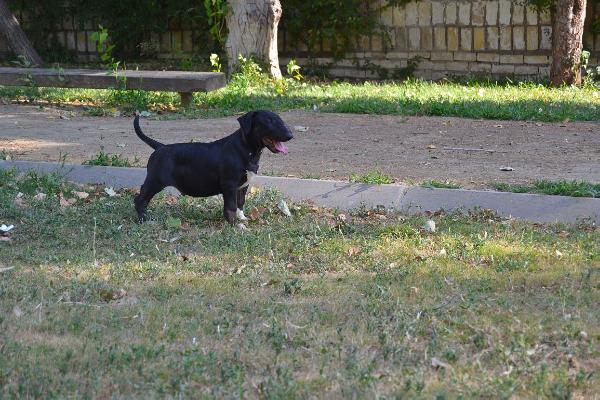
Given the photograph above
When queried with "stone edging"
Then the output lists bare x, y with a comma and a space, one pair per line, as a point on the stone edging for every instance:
346, 196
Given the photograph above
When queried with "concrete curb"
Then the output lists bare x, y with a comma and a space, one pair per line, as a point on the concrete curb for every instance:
345, 196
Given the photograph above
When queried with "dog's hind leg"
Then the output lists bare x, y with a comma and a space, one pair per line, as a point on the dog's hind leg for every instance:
147, 192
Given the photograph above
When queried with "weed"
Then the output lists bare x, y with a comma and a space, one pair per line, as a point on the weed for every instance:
373, 177
559, 188
293, 70
5, 155
111, 160
215, 62
440, 185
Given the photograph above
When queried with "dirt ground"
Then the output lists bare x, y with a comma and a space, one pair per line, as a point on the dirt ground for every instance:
410, 149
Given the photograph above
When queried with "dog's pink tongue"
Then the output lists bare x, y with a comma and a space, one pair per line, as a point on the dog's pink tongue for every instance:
280, 147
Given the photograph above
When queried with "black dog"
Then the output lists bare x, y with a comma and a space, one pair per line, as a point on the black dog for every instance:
207, 169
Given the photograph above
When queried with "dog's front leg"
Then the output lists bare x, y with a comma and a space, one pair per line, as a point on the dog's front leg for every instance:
230, 208
241, 200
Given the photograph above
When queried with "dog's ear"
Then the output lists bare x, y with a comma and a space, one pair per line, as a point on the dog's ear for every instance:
246, 121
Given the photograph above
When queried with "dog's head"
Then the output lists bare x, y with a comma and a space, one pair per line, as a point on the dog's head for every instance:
266, 129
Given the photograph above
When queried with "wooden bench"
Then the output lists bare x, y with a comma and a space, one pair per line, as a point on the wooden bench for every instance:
183, 82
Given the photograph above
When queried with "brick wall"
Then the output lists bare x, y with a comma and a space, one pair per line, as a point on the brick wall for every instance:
76, 38
453, 38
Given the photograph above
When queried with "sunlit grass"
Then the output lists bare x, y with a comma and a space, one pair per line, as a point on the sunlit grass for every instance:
520, 101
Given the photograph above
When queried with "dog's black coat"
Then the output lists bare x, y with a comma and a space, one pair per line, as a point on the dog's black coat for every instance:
208, 169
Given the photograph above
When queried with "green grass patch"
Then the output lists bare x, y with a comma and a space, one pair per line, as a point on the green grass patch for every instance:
434, 184
522, 101
111, 160
322, 304
559, 188
5, 155
373, 178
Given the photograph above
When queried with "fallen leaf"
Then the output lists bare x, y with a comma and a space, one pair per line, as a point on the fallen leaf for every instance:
171, 199
436, 363
20, 200
6, 228
431, 146
126, 301
254, 214
352, 251
65, 202
40, 196
81, 195
572, 362
559, 254
283, 207
254, 190
17, 311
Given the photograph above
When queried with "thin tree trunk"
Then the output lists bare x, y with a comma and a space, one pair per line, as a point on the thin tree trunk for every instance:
252, 26
16, 38
567, 42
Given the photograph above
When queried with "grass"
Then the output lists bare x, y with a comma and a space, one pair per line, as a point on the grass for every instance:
440, 185
560, 188
323, 304
111, 160
5, 155
372, 177
522, 101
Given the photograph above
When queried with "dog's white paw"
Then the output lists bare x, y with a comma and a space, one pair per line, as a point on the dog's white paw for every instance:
239, 214
242, 227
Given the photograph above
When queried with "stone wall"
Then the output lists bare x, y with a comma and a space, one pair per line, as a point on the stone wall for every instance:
444, 38
453, 38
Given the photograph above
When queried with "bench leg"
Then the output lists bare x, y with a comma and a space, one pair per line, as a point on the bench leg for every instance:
186, 99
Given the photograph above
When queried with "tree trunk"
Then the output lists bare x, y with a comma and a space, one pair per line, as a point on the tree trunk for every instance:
15, 37
567, 42
252, 26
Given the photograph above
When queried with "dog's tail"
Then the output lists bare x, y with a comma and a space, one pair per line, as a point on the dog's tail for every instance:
149, 141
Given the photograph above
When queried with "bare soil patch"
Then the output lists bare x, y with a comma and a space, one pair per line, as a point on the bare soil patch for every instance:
410, 149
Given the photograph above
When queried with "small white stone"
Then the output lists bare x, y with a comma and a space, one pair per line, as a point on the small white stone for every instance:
242, 227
